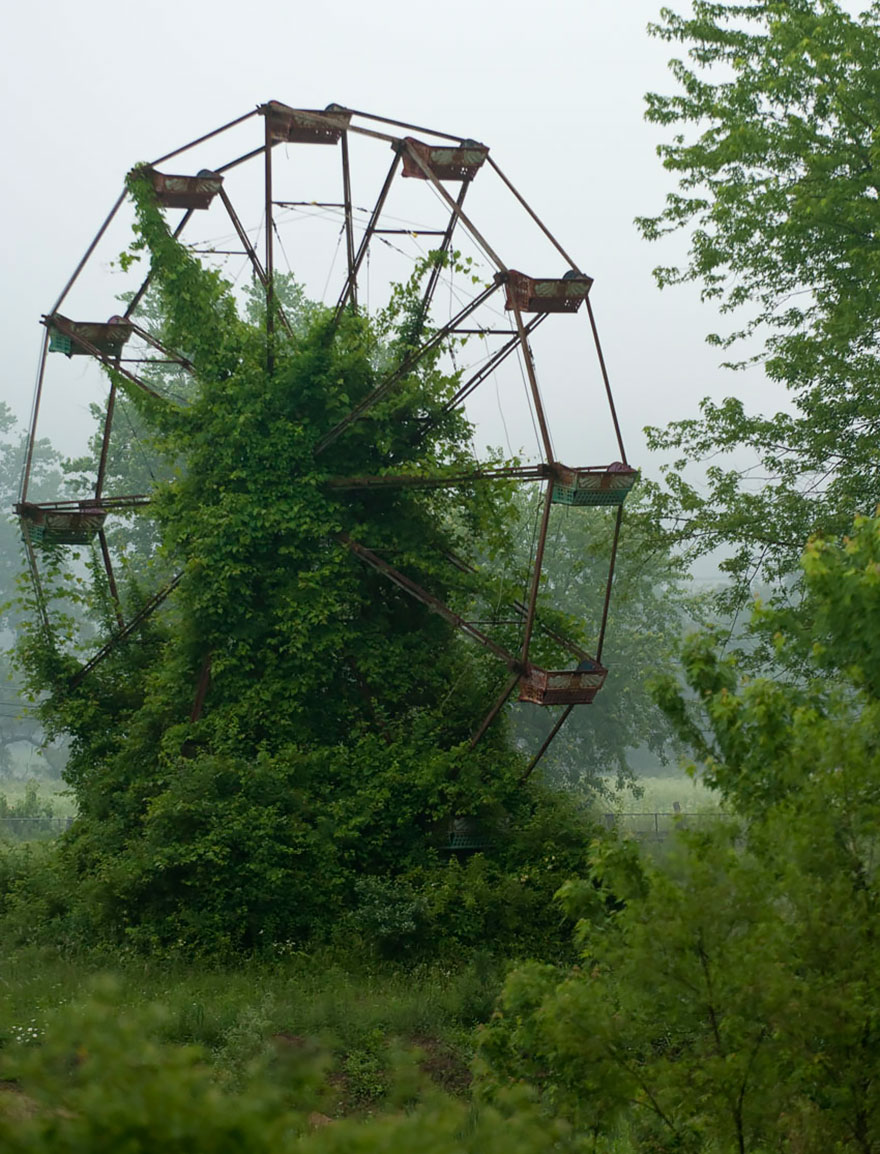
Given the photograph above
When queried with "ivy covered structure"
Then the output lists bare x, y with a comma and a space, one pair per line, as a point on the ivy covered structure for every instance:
284, 656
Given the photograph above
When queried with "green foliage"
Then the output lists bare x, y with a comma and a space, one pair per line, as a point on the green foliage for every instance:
311, 791
726, 1001
775, 154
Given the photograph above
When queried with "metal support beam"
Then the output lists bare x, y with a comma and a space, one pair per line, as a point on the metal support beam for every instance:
458, 211
533, 382
607, 604
349, 221
270, 256
548, 741
500, 702
546, 231
536, 576
351, 282
433, 603
409, 363
35, 412
607, 382
251, 253
207, 136
143, 613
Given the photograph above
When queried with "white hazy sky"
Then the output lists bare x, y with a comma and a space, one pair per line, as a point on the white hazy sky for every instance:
554, 88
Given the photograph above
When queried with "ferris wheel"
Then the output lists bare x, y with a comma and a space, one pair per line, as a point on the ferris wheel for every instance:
320, 184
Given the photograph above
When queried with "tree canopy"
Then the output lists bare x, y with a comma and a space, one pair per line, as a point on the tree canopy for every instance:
775, 155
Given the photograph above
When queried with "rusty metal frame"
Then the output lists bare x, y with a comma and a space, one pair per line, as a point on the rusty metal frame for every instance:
409, 363
434, 278
349, 220
456, 209
606, 381
533, 381
351, 283
415, 481
356, 254
145, 611
35, 412
546, 231
138, 296
110, 362
270, 251
418, 593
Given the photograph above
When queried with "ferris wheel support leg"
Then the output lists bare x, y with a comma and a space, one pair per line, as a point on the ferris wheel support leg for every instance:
548, 741
351, 284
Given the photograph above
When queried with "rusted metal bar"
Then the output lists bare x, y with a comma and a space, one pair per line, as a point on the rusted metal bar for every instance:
365, 239
113, 211
207, 136
39, 595
136, 501
60, 324
522, 609
142, 614
433, 603
173, 357
458, 212
428, 294
111, 579
533, 382
607, 604
414, 481
403, 124
465, 390
240, 159
546, 231
536, 576
349, 221
138, 296
35, 412
251, 252
105, 440
270, 255
548, 741
409, 232
409, 363
601, 356
499, 704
